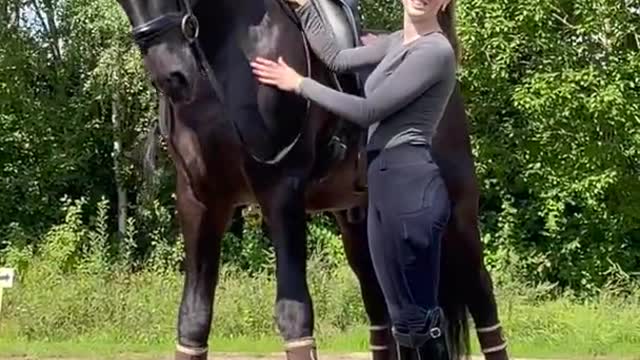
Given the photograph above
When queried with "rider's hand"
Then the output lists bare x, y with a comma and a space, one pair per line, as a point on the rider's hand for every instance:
278, 74
298, 2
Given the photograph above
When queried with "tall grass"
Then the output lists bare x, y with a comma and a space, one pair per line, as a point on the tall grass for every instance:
78, 288
140, 310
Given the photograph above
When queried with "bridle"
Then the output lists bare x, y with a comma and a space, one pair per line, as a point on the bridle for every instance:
145, 34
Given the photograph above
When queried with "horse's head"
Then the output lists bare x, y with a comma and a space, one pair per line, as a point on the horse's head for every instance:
165, 31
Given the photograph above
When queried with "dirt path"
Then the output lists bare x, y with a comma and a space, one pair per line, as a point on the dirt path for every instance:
274, 356
218, 356
170, 357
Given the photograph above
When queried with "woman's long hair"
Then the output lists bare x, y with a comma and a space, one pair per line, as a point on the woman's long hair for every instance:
447, 20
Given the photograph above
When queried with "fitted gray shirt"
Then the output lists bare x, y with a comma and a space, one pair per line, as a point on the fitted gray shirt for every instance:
405, 95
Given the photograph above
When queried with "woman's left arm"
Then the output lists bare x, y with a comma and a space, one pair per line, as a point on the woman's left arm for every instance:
423, 67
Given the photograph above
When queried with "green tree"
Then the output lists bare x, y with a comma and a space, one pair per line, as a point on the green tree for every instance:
554, 104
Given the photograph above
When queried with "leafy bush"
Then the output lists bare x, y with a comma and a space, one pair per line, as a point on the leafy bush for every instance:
553, 99
71, 290
552, 96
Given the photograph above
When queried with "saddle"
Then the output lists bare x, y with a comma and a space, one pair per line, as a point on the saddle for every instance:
341, 17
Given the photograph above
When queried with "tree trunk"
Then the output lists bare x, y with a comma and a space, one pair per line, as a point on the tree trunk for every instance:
117, 151
4, 13
11, 13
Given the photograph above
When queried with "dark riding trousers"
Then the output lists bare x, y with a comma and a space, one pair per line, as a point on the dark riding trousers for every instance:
409, 208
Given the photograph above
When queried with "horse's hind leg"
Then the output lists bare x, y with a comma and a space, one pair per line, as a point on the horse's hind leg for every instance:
283, 206
469, 261
203, 224
356, 246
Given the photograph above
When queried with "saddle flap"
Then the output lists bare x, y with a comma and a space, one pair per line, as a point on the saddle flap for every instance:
340, 18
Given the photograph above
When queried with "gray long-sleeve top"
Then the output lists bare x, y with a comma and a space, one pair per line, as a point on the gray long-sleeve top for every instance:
406, 94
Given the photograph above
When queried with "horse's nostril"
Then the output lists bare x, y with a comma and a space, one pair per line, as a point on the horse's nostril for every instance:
177, 86
177, 80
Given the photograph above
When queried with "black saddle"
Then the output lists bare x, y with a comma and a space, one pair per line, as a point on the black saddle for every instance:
341, 16
342, 19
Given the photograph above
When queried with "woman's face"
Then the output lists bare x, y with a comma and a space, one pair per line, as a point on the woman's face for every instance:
423, 9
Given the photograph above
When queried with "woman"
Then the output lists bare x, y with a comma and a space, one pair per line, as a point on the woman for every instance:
405, 97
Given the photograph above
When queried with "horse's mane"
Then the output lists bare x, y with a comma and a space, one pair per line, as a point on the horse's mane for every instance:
447, 21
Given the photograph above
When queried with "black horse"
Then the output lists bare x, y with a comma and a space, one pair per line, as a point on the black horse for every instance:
235, 142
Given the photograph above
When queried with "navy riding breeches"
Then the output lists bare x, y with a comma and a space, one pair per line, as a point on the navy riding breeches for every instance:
409, 208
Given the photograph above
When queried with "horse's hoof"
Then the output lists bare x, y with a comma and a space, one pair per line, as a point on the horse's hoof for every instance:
381, 343
183, 356
499, 355
388, 354
183, 353
492, 342
303, 349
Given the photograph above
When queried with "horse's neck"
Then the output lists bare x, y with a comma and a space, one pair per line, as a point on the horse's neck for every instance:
214, 23
219, 17
220, 20
229, 39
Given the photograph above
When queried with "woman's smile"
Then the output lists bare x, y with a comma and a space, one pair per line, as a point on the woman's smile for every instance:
419, 8
418, 4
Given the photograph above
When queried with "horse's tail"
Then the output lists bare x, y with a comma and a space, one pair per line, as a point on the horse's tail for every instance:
457, 327
453, 302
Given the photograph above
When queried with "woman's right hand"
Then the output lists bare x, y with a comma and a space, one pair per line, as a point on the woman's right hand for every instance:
298, 2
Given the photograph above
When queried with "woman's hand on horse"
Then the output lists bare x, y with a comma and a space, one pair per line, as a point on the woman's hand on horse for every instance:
277, 74
298, 2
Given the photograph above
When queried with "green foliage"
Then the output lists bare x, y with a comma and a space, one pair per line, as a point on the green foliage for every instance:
81, 304
552, 96
553, 100
73, 285
324, 239
57, 86
252, 252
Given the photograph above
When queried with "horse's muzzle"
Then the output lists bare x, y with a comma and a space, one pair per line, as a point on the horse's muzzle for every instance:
177, 86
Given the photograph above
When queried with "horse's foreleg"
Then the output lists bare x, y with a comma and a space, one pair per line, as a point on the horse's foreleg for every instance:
203, 223
283, 206
356, 246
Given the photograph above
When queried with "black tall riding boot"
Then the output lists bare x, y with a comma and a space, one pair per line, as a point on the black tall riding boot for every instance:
428, 343
432, 349
435, 349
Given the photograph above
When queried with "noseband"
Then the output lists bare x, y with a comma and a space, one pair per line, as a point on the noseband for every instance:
146, 33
